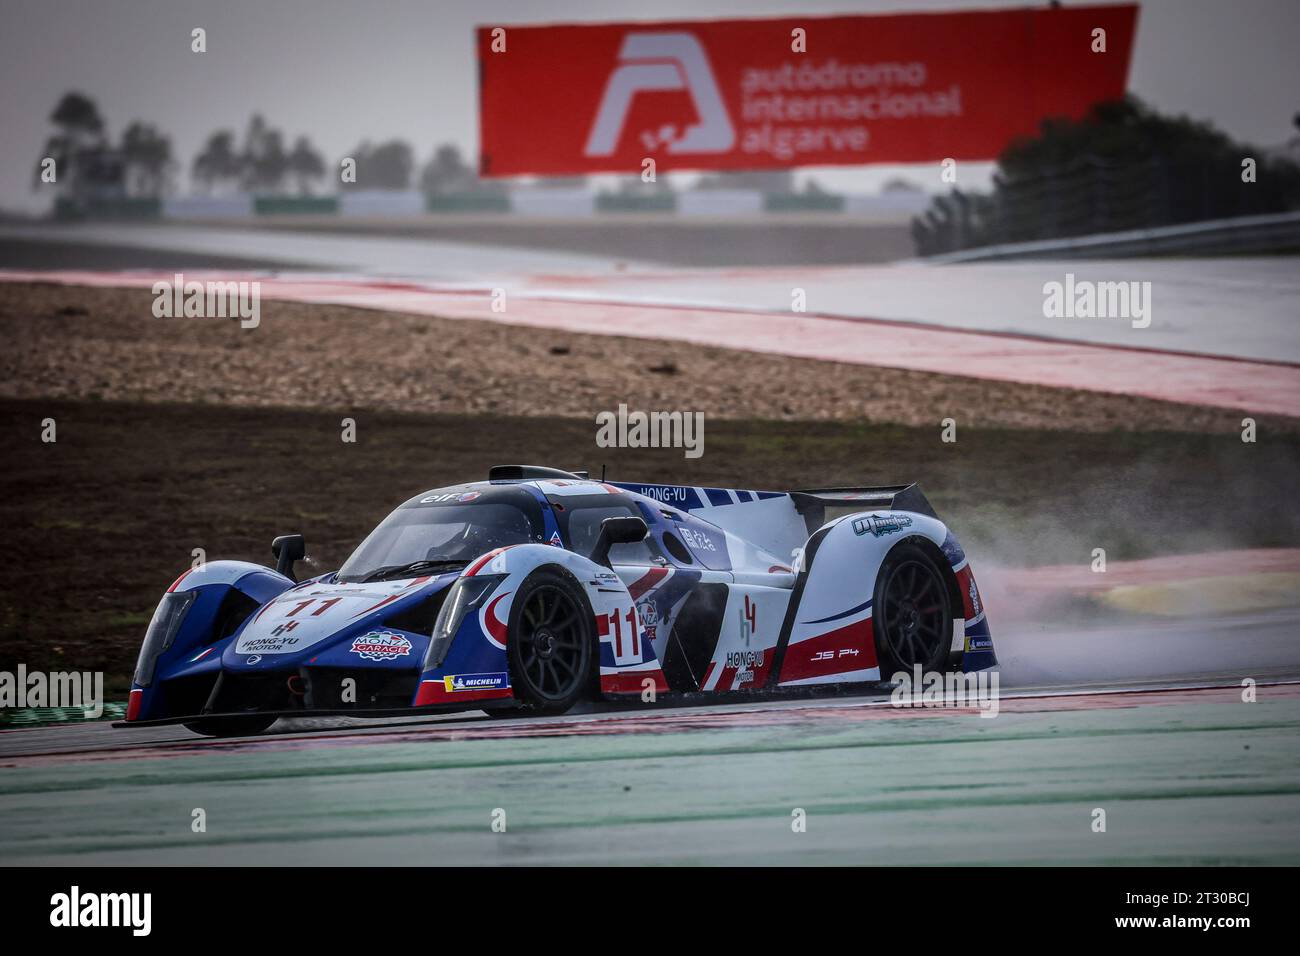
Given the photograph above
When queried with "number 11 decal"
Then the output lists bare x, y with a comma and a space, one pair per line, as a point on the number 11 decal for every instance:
614, 620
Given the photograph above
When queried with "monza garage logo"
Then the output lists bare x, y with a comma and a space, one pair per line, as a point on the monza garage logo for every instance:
381, 646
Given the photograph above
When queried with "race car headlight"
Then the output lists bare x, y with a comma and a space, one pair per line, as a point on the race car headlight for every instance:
162, 632
466, 595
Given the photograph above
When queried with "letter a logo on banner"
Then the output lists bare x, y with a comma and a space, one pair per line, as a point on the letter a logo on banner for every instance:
663, 62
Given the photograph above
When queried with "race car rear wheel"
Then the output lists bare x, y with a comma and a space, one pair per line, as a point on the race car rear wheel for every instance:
912, 612
552, 661
230, 726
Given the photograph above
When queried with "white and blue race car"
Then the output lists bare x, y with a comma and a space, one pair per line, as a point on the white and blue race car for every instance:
538, 588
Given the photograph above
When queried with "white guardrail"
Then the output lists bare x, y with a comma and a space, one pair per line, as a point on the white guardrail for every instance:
1241, 235
368, 203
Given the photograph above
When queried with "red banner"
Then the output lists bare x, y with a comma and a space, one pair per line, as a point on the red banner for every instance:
735, 94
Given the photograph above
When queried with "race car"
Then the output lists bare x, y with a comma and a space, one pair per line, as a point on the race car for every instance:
540, 587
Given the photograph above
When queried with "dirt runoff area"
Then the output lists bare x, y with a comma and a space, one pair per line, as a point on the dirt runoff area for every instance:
105, 344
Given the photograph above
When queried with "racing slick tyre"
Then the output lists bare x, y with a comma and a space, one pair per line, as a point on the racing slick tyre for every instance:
550, 645
230, 726
912, 612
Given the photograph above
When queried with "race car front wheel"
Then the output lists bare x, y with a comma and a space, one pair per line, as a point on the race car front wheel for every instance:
552, 663
230, 726
912, 612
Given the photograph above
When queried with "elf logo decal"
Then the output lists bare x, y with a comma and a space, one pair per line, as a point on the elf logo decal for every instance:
658, 62
451, 496
381, 646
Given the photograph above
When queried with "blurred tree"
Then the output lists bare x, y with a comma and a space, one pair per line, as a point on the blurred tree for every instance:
270, 165
78, 117
306, 165
447, 172
217, 163
263, 162
387, 166
79, 141
1123, 166
147, 160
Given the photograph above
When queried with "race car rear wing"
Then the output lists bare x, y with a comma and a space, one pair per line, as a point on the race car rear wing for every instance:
813, 502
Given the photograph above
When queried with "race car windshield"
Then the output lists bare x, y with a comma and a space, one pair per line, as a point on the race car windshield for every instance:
422, 540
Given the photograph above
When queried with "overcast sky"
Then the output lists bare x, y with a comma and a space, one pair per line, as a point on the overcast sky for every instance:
346, 71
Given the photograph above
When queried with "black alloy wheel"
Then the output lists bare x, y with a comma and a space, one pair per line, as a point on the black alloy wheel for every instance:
912, 611
552, 662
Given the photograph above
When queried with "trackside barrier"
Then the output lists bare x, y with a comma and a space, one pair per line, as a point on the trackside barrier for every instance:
554, 201
720, 202
803, 202
208, 207
67, 208
468, 202
1244, 234
891, 204
632, 202
526, 201
381, 203
296, 205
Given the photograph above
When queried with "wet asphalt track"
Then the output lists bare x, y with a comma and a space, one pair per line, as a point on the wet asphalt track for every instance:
1186, 771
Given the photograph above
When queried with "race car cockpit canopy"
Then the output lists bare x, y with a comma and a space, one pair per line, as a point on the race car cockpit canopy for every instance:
444, 530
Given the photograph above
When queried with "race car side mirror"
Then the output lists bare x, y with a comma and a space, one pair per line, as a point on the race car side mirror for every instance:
288, 548
622, 530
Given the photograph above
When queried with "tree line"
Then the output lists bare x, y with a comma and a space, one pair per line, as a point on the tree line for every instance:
1122, 167
87, 163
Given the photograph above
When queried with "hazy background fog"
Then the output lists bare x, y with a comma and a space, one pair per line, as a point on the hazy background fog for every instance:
346, 71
